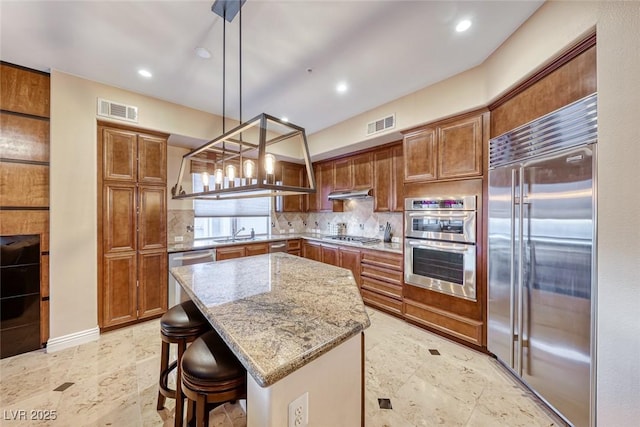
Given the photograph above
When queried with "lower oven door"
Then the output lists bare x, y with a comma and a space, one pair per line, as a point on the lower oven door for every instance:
444, 267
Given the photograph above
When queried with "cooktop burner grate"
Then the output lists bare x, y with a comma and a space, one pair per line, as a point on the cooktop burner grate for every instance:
354, 239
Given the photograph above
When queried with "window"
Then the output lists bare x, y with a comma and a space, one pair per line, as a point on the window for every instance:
220, 218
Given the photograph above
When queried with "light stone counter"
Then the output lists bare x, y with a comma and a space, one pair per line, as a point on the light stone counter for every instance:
277, 312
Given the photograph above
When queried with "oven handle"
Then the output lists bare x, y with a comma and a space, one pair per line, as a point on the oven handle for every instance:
441, 215
447, 247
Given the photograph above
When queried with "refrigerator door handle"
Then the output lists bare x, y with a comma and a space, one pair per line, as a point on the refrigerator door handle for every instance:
520, 267
512, 244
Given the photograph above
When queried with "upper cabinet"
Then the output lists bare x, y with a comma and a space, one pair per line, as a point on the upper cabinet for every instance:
446, 150
291, 174
388, 179
325, 182
353, 172
133, 157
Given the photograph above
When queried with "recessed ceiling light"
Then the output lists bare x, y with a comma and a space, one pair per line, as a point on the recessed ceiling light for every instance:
145, 73
341, 87
202, 52
463, 25
284, 118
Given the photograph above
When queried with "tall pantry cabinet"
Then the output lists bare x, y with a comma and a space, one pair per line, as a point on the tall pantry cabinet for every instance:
132, 228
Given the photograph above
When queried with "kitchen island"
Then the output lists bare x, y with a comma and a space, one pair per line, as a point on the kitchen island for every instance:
296, 326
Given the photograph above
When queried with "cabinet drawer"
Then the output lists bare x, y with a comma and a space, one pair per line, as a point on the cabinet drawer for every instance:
390, 305
385, 288
384, 274
382, 259
257, 249
450, 323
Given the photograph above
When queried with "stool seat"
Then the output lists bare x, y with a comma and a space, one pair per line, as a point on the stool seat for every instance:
208, 359
211, 376
184, 319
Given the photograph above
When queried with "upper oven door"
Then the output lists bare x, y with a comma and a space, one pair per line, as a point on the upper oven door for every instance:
456, 226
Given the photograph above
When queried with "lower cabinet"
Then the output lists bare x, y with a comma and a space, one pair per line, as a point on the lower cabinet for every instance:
350, 259
294, 247
381, 280
312, 250
152, 285
239, 251
330, 255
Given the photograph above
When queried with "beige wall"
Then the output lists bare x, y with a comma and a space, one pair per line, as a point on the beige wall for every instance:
73, 259
555, 26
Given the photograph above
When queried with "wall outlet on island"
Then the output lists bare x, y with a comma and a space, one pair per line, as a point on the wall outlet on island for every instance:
178, 239
299, 411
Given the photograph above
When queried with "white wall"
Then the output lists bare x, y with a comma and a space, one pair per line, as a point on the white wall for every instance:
73, 193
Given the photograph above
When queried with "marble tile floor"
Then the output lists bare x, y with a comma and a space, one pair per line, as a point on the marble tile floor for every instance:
115, 383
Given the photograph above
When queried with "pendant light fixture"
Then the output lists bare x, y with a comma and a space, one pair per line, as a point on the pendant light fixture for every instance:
245, 161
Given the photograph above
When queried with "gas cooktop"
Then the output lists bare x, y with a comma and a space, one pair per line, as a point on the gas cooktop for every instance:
353, 239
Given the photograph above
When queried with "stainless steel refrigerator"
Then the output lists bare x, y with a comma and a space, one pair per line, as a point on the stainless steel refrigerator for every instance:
541, 256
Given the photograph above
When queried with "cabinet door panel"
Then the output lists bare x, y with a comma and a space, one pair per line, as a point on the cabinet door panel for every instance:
119, 290
326, 172
460, 148
343, 174
292, 174
350, 258
119, 218
330, 255
24, 91
152, 284
362, 170
152, 159
119, 150
397, 200
383, 183
420, 155
313, 199
152, 218
312, 251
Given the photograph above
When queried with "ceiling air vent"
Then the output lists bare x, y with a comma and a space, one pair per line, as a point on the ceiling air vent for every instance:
381, 124
118, 111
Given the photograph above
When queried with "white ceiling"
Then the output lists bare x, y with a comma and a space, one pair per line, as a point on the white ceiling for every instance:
382, 49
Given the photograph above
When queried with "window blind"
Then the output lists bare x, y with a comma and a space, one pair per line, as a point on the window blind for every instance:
260, 206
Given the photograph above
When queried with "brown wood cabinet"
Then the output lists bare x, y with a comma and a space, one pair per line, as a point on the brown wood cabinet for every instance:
350, 259
319, 202
330, 255
239, 251
354, 172
294, 247
343, 174
291, 174
132, 225
445, 150
312, 250
388, 179
381, 280
257, 249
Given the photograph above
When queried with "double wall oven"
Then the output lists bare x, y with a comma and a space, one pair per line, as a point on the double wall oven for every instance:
440, 244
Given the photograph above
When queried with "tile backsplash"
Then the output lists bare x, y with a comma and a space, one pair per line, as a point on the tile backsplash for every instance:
358, 215
177, 222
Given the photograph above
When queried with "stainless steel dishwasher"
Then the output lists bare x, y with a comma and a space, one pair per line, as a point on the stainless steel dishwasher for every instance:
177, 259
279, 246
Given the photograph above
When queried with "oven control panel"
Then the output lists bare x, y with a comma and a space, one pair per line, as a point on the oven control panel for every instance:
467, 203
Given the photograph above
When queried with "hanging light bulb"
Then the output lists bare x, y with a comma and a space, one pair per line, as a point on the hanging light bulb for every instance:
231, 174
205, 181
269, 166
249, 169
219, 178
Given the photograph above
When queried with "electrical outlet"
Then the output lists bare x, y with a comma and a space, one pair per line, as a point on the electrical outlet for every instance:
299, 411
178, 238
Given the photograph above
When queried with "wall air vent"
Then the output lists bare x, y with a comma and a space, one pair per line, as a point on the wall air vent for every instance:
118, 111
381, 124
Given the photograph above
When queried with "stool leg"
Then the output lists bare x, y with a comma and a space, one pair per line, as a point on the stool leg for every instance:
202, 416
164, 363
182, 345
190, 416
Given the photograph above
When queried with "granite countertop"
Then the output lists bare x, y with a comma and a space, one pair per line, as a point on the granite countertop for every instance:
277, 312
214, 243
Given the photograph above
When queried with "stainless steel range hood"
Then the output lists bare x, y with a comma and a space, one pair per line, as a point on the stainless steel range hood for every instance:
351, 194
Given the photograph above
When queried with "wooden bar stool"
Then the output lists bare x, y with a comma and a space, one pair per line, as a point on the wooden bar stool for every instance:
180, 325
211, 376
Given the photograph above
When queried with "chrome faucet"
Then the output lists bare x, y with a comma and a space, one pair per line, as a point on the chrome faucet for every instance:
235, 233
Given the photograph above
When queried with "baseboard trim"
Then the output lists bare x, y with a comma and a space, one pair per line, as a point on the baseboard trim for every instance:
71, 340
